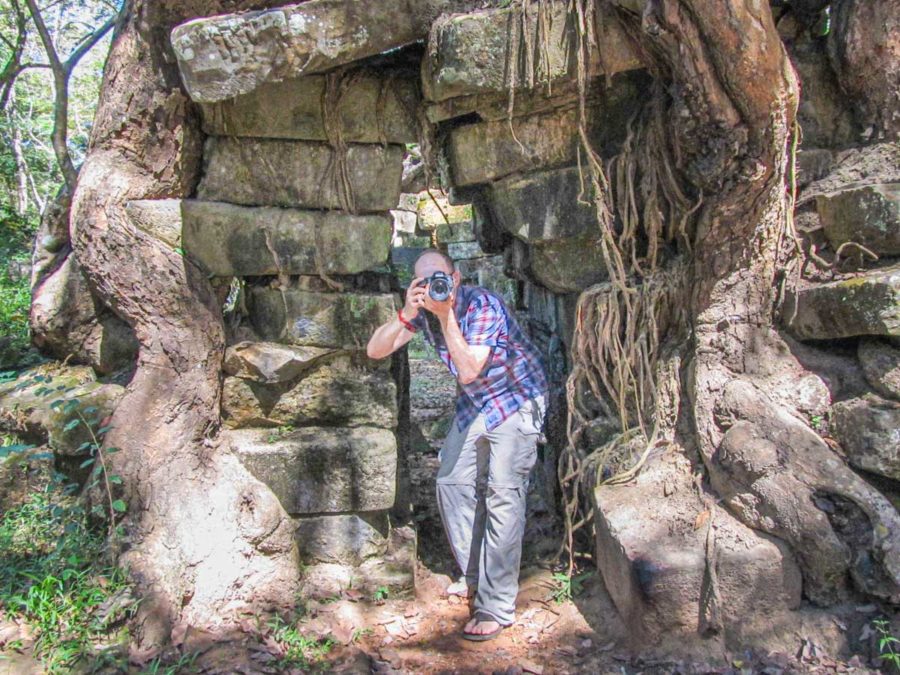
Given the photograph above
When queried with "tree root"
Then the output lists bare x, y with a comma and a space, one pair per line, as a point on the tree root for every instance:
778, 476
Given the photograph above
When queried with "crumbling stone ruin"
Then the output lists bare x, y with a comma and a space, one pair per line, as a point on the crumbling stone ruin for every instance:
309, 113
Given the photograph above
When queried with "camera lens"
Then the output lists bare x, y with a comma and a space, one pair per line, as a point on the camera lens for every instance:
439, 289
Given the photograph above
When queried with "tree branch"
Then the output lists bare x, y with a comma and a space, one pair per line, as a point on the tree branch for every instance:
89, 43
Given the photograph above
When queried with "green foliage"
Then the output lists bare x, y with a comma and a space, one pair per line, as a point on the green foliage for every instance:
184, 664
888, 645
51, 578
298, 650
565, 587
381, 594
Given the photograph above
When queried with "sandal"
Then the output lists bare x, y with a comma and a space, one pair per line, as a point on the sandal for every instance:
483, 637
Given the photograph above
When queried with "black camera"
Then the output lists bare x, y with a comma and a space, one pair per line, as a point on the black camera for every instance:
440, 286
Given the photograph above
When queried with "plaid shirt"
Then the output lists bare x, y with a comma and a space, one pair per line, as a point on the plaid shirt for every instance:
513, 372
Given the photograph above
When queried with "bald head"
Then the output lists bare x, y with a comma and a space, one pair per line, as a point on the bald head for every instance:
432, 261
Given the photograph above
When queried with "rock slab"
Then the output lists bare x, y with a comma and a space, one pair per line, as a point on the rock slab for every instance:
307, 318
881, 365
342, 539
332, 394
476, 53
373, 107
230, 240
865, 305
270, 172
868, 215
232, 54
318, 470
868, 429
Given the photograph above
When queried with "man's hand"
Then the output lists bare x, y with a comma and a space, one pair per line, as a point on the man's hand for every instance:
415, 298
441, 309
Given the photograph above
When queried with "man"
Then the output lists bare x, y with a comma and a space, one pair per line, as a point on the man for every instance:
499, 415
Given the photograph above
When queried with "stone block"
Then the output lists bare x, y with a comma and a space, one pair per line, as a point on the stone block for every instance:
865, 305
231, 54
881, 365
868, 429
307, 318
395, 570
463, 250
868, 215
272, 363
652, 552
230, 240
304, 174
564, 266
488, 273
160, 218
322, 470
490, 150
342, 539
373, 107
543, 206
28, 406
334, 394
468, 52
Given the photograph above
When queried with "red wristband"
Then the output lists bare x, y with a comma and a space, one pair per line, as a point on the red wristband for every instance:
406, 324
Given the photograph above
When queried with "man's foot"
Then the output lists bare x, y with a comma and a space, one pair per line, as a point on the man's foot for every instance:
481, 627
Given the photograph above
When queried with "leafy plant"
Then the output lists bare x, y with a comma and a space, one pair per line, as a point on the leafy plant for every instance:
381, 594
566, 587
298, 650
888, 645
50, 578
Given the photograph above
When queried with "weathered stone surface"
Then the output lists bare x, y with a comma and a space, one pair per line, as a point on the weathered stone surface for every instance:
881, 365
868, 430
293, 109
342, 320
652, 553
27, 406
868, 215
824, 112
455, 233
866, 165
303, 174
333, 394
322, 470
66, 322
543, 206
435, 210
564, 266
487, 151
395, 570
270, 362
488, 273
230, 240
467, 53
232, 54
343, 539
160, 218
864, 305
465, 250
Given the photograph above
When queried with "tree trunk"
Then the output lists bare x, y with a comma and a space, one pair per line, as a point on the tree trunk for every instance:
734, 100
206, 540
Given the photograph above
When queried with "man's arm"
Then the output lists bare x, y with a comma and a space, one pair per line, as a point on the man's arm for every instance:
469, 359
392, 335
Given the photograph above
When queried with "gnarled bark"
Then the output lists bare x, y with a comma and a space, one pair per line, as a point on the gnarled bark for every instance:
734, 100
206, 539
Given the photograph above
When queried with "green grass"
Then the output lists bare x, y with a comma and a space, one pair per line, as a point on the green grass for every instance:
299, 650
52, 578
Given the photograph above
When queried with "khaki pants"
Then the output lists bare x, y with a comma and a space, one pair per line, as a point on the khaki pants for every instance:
481, 487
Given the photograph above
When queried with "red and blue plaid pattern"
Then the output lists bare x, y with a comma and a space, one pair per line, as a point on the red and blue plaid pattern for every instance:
513, 373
